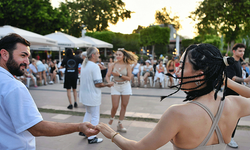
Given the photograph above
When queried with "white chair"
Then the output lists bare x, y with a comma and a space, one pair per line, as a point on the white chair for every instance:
28, 82
57, 78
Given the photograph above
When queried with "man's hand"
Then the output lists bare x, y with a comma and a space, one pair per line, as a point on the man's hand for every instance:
247, 79
88, 129
110, 84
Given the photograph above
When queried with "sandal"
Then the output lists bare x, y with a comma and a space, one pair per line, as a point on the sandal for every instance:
119, 128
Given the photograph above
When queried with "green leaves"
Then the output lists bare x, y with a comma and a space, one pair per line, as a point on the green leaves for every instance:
95, 14
163, 17
154, 35
227, 17
33, 15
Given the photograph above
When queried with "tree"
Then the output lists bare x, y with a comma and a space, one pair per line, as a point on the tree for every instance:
139, 28
95, 14
33, 15
228, 17
154, 35
163, 17
128, 41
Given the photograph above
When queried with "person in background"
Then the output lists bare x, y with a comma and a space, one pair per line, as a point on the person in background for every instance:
176, 62
234, 72
46, 67
33, 68
159, 75
41, 70
136, 71
70, 62
20, 120
103, 68
147, 72
90, 92
165, 60
53, 72
171, 70
28, 74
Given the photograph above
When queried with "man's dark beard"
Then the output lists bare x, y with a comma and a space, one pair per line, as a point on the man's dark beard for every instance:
14, 68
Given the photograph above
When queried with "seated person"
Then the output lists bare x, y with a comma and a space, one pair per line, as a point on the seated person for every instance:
136, 71
53, 71
147, 72
28, 74
33, 68
159, 74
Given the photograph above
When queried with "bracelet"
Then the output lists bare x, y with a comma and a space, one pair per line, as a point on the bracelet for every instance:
112, 138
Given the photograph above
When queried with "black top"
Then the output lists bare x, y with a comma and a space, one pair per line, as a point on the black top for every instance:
71, 65
52, 69
234, 70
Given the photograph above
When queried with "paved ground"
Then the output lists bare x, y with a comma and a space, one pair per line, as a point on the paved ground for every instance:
145, 103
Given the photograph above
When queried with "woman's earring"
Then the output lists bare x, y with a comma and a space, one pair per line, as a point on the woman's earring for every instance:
198, 83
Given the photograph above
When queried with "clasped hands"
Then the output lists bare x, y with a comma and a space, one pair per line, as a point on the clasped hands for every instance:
88, 129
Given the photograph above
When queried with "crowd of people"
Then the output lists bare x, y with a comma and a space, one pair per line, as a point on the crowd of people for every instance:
207, 121
42, 72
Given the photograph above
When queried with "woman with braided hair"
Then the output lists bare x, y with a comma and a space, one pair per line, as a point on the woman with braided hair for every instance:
207, 121
122, 73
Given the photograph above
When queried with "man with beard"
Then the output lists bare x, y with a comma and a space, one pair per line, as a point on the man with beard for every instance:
20, 119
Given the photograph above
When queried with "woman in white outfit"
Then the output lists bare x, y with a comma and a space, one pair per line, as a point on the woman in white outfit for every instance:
122, 72
159, 74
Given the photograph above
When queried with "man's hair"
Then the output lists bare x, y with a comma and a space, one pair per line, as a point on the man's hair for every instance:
90, 51
69, 52
9, 42
238, 45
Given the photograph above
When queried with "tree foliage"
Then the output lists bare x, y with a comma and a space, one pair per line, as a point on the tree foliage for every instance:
139, 28
154, 35
95, 14
33, 15
163, 17
228, 17
128, 41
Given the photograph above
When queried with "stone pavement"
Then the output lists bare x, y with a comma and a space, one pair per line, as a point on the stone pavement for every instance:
144, 103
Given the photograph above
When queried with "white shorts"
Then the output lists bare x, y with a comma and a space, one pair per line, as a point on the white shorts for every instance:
121, 89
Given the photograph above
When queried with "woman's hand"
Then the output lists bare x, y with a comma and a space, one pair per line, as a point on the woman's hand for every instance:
106, 130
115, 73
110, 84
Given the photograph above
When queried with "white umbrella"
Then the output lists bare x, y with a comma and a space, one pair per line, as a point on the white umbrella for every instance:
65, 40
33, 38
96, 43
44, 48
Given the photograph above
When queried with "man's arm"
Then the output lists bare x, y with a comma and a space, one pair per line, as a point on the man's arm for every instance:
100, 85
48, 128
238, 79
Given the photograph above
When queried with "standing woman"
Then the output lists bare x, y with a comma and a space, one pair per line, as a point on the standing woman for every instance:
122, 72
171, 70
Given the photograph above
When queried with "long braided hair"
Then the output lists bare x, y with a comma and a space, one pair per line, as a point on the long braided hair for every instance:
207, 58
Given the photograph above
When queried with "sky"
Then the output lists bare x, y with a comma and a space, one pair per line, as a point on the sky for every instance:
144, 14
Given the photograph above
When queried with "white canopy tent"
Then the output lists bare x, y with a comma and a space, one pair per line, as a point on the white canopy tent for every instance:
65, 40
44, 48
97, 43
34, 38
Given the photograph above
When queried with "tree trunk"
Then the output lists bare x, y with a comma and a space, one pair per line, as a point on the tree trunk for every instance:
153, 51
